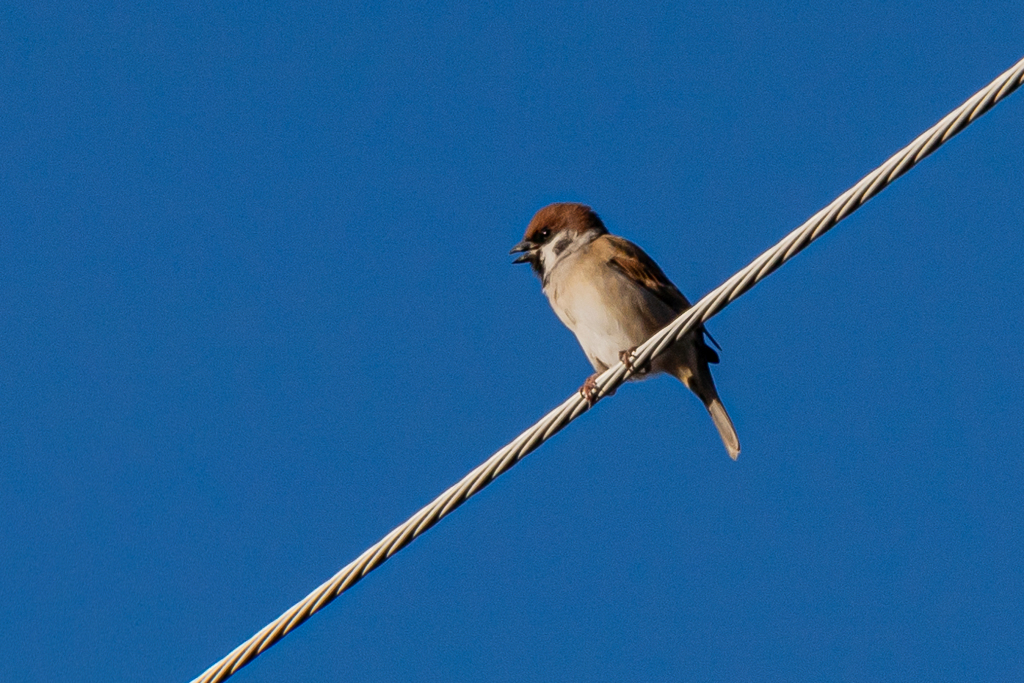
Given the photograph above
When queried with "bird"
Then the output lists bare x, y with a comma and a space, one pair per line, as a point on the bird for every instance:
613, 297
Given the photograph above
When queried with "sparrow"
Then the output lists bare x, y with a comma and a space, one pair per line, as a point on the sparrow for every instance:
613, 297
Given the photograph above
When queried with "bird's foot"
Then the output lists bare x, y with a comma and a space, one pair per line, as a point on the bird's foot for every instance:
627, 359
589, 390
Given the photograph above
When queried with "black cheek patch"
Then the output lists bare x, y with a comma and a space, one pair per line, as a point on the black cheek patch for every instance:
562, 245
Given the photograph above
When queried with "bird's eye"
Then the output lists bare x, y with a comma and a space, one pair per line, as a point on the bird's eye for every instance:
545, 233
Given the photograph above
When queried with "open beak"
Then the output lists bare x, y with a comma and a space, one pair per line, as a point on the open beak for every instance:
526, 249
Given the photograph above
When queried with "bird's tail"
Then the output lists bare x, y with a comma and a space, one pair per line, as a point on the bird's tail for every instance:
724, 425
702, 384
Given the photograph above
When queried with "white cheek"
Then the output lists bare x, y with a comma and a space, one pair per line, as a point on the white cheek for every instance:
556, 250
548, 256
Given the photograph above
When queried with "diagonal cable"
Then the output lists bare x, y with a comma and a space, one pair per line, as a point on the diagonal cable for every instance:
607, 382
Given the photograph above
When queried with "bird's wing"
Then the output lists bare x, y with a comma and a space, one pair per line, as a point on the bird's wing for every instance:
634, 263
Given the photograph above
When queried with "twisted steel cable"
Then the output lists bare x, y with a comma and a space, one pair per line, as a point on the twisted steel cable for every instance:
607, 382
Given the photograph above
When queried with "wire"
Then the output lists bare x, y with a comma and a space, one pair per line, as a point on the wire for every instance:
607, 382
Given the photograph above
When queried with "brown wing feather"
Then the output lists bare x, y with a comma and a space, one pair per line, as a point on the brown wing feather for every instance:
638, 266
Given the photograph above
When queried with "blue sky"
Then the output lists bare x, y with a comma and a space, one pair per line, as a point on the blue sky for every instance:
257, 308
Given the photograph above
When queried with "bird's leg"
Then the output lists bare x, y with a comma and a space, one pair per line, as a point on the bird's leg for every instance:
627, 359
589, 390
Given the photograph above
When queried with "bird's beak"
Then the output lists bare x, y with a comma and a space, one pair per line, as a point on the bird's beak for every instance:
526, 248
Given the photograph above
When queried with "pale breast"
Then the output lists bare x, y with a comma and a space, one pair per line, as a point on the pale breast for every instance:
607, 312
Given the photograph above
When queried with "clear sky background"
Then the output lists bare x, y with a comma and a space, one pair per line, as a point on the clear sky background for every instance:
256, 308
